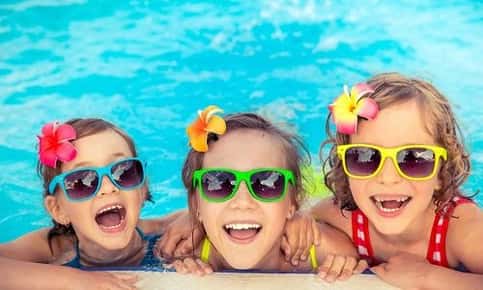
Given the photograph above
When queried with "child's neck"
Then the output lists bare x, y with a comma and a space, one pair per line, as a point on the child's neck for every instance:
93, 255
417, 231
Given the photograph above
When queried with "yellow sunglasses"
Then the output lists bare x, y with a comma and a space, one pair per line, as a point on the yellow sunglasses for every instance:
413, 162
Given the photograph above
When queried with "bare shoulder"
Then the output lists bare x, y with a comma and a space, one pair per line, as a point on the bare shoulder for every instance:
465, 233
35, 247
327, 211
151, 226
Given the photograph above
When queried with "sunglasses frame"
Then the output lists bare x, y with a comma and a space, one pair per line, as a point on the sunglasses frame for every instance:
101, 172
439, 152
243, 176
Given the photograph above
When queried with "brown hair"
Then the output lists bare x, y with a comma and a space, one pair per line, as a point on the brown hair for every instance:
295, 152
394, 88
83, 128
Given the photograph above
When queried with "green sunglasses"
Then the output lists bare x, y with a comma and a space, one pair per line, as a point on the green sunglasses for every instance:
264, 184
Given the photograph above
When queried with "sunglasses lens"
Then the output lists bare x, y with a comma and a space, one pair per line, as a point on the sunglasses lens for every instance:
218, 184
362, 161
128, 173
81, 184
416, 162
268, 184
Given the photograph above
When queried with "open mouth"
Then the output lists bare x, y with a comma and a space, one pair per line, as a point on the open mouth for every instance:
111, 218
390, 205
242, 232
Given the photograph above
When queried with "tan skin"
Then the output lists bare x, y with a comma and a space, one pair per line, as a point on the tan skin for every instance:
403, 241
32, 254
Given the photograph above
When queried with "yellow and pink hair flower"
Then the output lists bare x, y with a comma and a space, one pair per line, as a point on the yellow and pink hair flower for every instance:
349, 106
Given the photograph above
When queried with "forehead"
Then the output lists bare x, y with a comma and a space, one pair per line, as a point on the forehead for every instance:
396, 125
99, 149
245, 149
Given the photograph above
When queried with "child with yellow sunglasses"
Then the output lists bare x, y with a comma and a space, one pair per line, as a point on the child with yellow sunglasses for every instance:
395, 166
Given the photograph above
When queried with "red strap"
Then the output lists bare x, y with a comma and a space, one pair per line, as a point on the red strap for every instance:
437, 243
360, 236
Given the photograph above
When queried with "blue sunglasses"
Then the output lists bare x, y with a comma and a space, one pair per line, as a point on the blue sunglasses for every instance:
84, 183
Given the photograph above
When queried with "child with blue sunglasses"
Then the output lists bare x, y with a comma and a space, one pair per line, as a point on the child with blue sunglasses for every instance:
94, 189
241, 192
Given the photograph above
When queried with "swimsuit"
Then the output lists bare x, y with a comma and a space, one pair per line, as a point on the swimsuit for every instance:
206, 249
149, 261
436, 253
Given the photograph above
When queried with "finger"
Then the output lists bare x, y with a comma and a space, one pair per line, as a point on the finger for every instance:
309, 241
192, 266
316, 232
206, 269
293, 241
348, 269
361, 267
335, 268
180, 267
379, 270
197, 236
285, 247
300, 246
170, 245
324, 268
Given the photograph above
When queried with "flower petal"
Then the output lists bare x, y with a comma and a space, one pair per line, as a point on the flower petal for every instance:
209, 111
65, 132
199, 142
360, 90
66, 152
367, 108
48, 129
48, 157
216, 125
345, 122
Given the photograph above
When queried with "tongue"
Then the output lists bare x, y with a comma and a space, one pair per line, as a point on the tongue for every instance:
391, 204
242, 234
109, 218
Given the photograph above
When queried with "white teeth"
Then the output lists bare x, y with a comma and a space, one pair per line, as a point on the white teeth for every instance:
242, 226
117, 206
402, 199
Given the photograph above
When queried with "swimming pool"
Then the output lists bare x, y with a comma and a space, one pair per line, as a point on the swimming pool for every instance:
149, 65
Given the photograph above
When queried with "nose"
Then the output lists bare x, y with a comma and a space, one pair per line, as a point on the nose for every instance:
388, 174
107, 186
242, 198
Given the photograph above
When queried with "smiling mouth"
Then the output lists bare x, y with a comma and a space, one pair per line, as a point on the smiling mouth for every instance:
242, 232
111, 218
390, 205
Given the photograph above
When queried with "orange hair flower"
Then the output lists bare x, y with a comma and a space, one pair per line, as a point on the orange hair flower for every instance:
207, 122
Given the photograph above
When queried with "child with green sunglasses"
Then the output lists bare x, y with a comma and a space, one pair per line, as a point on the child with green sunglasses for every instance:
395, 167
242, 191
94, 188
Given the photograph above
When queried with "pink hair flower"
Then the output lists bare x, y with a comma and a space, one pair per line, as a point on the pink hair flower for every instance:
54, 144
349, 106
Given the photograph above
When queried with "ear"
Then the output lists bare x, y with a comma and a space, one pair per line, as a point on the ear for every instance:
55, 210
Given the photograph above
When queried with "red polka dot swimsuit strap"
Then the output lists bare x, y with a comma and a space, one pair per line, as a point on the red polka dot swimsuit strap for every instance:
437, 243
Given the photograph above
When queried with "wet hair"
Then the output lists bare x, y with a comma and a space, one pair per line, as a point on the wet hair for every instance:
293, 148
394, 88
83, 128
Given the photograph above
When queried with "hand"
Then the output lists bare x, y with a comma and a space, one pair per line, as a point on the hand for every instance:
340, 267
192, 266
105, 281
301, 232
404, 270
179, 238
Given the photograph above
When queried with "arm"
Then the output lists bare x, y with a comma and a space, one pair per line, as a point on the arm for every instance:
30, 255
328, 212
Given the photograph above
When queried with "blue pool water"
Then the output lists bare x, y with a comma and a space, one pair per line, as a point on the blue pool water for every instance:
149, 65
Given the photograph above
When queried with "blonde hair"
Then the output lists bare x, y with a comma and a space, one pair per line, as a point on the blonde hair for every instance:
394, 88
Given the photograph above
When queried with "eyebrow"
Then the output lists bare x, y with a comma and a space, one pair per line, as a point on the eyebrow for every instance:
88, 163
